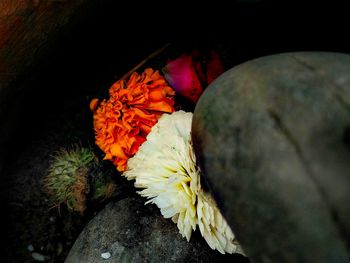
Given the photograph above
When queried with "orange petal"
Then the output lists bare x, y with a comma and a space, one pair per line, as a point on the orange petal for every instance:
122, 123
169, 91
145, 128
127, 119
93, 104
140, 100
108, 156
137, 144
159, 106
157, 94
156, 83
144, 115
121, 164
156, 75
117, 151
114, 89
133, 79
117, 105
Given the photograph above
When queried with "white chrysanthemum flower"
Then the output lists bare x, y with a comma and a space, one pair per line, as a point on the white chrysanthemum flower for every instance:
165, 166
214, 227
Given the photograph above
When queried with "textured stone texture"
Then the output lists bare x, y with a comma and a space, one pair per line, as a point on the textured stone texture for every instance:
29, 30
272, 137
133, 232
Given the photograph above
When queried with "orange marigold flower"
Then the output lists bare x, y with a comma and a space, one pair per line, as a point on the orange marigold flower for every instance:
122, 123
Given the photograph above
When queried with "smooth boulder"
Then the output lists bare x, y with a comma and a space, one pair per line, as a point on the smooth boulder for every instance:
130, 231
272, 137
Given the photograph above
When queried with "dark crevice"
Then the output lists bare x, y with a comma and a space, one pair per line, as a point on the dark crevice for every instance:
333, 212
346, 106
237, 140
303, 63
283, 129
346, 136
342, 102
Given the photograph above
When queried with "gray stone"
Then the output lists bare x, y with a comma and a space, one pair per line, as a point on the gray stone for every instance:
272, 136
133, 232
39, 257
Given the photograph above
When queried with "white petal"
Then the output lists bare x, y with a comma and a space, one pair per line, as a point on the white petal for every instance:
164, 167
213, 226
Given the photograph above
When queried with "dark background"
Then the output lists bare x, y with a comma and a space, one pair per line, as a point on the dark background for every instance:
104, 43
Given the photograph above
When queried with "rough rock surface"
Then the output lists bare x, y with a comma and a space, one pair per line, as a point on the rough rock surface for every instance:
272, 137
28, 31
132, 232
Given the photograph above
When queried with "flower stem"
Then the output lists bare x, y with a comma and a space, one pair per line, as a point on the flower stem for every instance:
155, 53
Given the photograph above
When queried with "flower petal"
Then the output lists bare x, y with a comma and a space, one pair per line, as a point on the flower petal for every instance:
215, 67
182, 76
122, 123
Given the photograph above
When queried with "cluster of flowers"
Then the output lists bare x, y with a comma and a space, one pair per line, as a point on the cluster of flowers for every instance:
122, 123
165, 167
141, 134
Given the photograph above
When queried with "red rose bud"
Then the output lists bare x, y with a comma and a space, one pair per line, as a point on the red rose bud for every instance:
215, 67
181, 74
